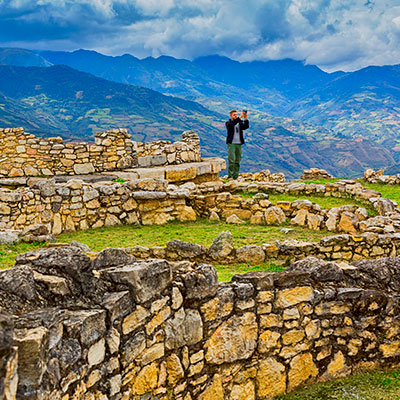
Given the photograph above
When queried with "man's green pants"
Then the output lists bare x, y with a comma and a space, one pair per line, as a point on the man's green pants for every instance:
234, 157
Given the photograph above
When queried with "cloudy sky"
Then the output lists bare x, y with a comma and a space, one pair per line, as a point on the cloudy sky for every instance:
334, 34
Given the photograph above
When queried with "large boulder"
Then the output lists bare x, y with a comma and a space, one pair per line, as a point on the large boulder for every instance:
222, 246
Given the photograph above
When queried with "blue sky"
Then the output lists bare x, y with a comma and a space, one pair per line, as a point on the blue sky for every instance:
334, 34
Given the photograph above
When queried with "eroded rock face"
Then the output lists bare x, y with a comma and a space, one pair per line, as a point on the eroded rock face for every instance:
147, 328
233, 340
222, 245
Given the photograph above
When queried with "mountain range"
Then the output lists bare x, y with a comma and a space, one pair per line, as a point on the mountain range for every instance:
301, 116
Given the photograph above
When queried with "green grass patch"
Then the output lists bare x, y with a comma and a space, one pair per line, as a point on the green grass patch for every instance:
225, 272
372, 385
201, 232
388, 191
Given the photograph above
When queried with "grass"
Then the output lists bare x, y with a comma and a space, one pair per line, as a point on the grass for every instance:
225, 272
201, 232
388, 191
372, 385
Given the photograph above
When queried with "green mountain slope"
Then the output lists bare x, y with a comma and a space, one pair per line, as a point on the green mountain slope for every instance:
62, 101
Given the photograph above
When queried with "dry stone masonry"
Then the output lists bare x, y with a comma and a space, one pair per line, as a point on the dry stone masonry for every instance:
74, 328
23, 154
374, 177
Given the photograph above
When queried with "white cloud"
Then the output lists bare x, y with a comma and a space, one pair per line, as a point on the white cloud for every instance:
334, 34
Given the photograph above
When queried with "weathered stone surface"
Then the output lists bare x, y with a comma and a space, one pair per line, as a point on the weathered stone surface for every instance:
134, 320
146, 279
31, 355
302, 368
146, 380
271, 378
235, 339
175, 370
112, 258
222, 246
291, 297
253, 254
186, 250
214, 391
274, 216
185, 328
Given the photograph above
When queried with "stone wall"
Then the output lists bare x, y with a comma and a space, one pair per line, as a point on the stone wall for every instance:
117, 328
379, 177
23, 154
163, 152
338, 247
76, 205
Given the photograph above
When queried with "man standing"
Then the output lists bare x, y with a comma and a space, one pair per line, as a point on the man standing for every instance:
235, 127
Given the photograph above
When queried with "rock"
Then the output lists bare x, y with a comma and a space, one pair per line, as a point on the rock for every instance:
186, 250
348, 222
84, 169
6, 332
234, 219
185, 328
214, 391
82, 246
235, 339
9, 237
200, 282
314, 222
300, 218
36, 230
187, 214
214, 217
274, 216
302, 368
96, 353
291, 297
31, 355
70, 260
146, 279
253, 254
110, 257
271, 378
222, 246
146, 380
174, 370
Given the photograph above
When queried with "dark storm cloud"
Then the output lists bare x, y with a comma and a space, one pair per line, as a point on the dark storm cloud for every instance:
335, 34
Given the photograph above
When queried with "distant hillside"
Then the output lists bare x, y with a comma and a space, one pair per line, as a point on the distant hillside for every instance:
59, 100
22, 58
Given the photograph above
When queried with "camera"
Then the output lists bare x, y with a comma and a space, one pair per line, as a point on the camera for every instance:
244, 111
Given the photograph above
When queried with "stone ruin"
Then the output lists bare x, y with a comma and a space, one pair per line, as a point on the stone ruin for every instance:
315, 173
379, 177
154, 323
23, 154
118, 328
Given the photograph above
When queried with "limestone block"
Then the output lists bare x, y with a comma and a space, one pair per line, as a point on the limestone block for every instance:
291, 297
187, 214
337, 367
274, 216
97, 353
153, 353
146, 278
348, 222
314, 221
254, 254
133, 348
243, 392
271, 378
134, 320
84, 169
302, 368
146, 380
184, 328
300, 218
268, 340
31, 355
175, 370
222, 246
214, 391
235, 339
234, 219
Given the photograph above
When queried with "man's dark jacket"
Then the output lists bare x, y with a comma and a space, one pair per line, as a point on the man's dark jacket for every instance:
230, 127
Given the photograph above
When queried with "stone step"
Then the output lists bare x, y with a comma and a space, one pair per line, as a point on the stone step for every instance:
174, 173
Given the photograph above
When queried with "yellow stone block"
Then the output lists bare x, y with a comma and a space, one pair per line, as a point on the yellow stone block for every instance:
291, 297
